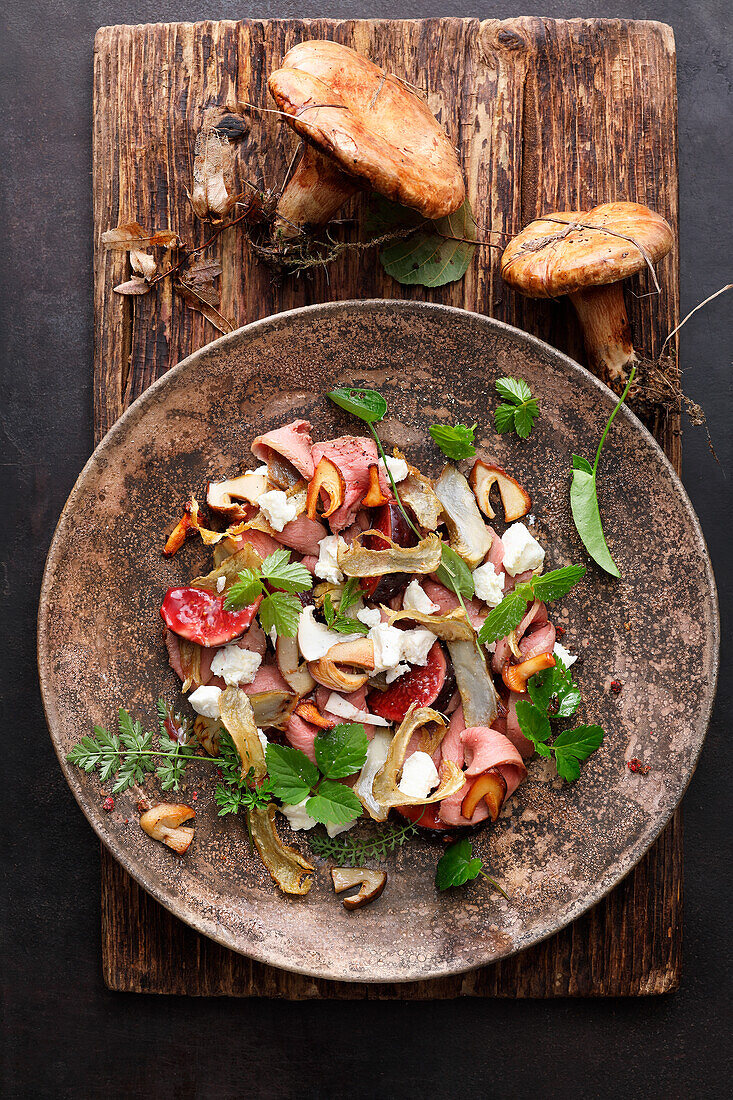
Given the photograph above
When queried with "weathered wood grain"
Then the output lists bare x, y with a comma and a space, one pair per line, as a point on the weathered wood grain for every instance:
546, 114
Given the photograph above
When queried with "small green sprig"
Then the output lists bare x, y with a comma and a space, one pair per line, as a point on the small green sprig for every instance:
458, 865
280, 609
339, 752
454, 440
554, 694
237, 792
339, 620
520, 409
507, 615
348, 851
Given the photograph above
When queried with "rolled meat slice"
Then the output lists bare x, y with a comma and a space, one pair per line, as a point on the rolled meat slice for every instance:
352, 455
292, 441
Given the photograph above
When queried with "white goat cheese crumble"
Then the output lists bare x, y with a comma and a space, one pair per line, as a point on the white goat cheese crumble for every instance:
397, 467
327, 566
565, 656
521, 551
220, 584
235, 665
417, 599
489, 584
205, 701
419, 775
370, 616
277, 509
300, 819
393, 646
315, 639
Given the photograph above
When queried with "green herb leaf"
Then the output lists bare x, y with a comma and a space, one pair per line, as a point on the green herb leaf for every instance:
349, 626
244, 591
587, 518
350, 595
514, 390
454, 440
291, 773
580, 463
457, 865
454, 573
572, 746
242, 794
281, 611
521, 410
438, 252
554, 691
333, 804
342, 750
282, 573
534, 723
557, 583
507, 615
367, 405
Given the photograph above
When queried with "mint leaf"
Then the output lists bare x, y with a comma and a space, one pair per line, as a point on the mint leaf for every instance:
454, 440
333, 804
291, 772
514, 390
454, 573
350, 595
507, 615
367, 405
281, 611
244, 591
457, 865
342, 750
557, 583
282, 573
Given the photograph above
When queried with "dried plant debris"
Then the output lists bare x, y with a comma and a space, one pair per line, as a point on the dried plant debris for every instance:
132, 236
196, 286
214, 192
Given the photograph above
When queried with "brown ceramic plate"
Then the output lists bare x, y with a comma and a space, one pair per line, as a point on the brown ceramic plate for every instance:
557, 849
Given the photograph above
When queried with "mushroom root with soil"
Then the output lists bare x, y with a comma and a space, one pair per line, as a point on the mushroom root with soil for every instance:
587, 256
363, 129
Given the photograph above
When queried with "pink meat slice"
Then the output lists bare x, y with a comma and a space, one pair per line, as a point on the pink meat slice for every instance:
540, 640
260, 542
268, 678
496, 550
310, 561
292, 441
302, 735
353, 455
485, 749
356, 698
253, 640
302, 534
513, 732
448, 601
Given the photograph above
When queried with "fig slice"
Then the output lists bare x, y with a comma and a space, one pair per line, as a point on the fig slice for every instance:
328, 479
371, 884
515, 500
491, 786
374, 497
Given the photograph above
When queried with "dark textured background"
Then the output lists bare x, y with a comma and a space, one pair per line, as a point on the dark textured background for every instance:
64, 1034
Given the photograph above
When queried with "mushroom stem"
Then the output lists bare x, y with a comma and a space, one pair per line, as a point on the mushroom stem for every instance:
312, 195
602, 314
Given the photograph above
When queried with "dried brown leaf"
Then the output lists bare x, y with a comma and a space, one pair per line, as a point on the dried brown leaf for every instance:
135, 285
214, 190
131, 235
142, 263
198, 298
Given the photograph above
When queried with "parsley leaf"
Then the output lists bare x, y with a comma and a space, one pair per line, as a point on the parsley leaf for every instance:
454, 573
333, 804
367, 405
572, 746
521, 409
554, 691
535, 725
454, 440
458, 865
342, 750
291, 772
244, 591
290, 576
507, 615
281, 611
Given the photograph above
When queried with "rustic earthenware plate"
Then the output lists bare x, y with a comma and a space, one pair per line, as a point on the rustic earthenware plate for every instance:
557, 849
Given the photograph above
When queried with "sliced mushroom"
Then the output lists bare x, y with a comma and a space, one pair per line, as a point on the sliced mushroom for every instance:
164, 823
491, 786
363, 128
370, 883
515, 500
357, 561
475, 685
374, 496
417, 493
329, 671
385, 789
222, 496
292, 873
309, 712
273, 708
293, 671
376, 756
588, 255
515, 676
327, 479
469, 536
239, 721
207, 732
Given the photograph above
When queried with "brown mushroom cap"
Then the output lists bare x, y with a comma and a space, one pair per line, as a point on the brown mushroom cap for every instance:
372, 125
545, 261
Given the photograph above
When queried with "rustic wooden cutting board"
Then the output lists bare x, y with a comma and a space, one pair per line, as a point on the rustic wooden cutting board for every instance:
546, 115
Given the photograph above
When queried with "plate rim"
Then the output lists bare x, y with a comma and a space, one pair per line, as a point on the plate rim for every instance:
112, 840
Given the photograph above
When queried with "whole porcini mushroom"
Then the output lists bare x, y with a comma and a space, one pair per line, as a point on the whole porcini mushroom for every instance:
165, 823
587, 256
363, 128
